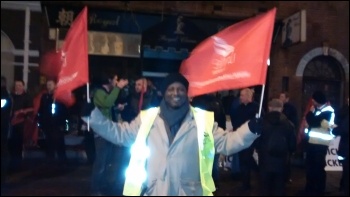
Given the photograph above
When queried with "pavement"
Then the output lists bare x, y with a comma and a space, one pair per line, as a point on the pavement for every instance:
38, 178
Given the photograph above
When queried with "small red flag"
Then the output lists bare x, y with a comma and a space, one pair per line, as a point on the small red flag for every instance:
74, 59
235, 57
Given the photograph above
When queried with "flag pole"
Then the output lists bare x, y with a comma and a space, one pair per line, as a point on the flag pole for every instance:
57, 39
88, 101
261, 100
262, 92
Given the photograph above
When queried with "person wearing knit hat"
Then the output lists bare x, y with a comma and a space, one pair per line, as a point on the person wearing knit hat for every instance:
174, 77
319, 97
320, 119
180, 142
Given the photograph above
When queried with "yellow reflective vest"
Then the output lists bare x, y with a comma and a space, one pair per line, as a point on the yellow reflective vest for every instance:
204, 122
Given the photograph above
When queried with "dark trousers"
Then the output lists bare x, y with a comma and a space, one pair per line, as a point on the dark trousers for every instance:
89, 144
5, 157
99, 180
215, 171
272, 183
120, 162
4, 160
15, 145
345, 177
315, 172
54, 138
246, 162
288, 169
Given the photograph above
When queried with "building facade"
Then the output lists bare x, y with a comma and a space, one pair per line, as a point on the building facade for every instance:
318, 59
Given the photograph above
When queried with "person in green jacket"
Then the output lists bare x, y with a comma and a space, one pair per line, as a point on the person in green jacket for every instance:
104, 98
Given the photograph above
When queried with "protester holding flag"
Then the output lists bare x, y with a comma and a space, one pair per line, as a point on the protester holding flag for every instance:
52, 115
69, 65
22, 107
183, 155
172, 146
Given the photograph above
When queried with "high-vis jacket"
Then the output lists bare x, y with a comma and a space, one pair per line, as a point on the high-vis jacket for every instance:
319, 125
180, 168
204, 120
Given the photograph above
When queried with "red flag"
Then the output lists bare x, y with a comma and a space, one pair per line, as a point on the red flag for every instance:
50, 64
303, 125
74, 58
235, 57
30, 134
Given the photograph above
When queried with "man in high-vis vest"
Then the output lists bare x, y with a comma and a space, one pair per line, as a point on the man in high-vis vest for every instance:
320, 119
173, 145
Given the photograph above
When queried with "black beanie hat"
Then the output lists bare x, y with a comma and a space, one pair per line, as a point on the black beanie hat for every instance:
171, 78
319, 97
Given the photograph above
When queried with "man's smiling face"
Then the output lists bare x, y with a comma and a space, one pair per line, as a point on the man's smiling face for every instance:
175, 95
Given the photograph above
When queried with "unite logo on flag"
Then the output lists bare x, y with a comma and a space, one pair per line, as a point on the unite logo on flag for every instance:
64, 58
65, 79
225, 55
236, 57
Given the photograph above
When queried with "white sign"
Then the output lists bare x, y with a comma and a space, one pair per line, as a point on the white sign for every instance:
294, 29
332, 156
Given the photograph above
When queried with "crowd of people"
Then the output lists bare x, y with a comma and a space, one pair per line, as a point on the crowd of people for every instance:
176, 142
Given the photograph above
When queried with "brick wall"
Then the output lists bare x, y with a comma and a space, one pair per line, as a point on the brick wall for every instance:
326, 22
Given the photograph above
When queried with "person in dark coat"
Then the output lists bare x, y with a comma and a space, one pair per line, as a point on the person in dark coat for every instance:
22, 107
140, 97
291, 113
272, 168
289, 109
52, 116
319, 119
246, 110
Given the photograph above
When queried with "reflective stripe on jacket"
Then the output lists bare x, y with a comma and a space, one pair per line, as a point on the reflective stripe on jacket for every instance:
321, 135
136, 173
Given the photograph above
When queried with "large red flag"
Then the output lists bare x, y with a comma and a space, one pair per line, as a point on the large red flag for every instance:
233, 58
74, 58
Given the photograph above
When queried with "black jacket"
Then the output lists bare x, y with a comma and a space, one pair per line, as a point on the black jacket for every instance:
291, 113
46, 118
275, 121
244, 113
131, 109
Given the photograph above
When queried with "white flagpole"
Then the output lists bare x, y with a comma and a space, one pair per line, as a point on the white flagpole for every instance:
88, 101
261, 100
262, 92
